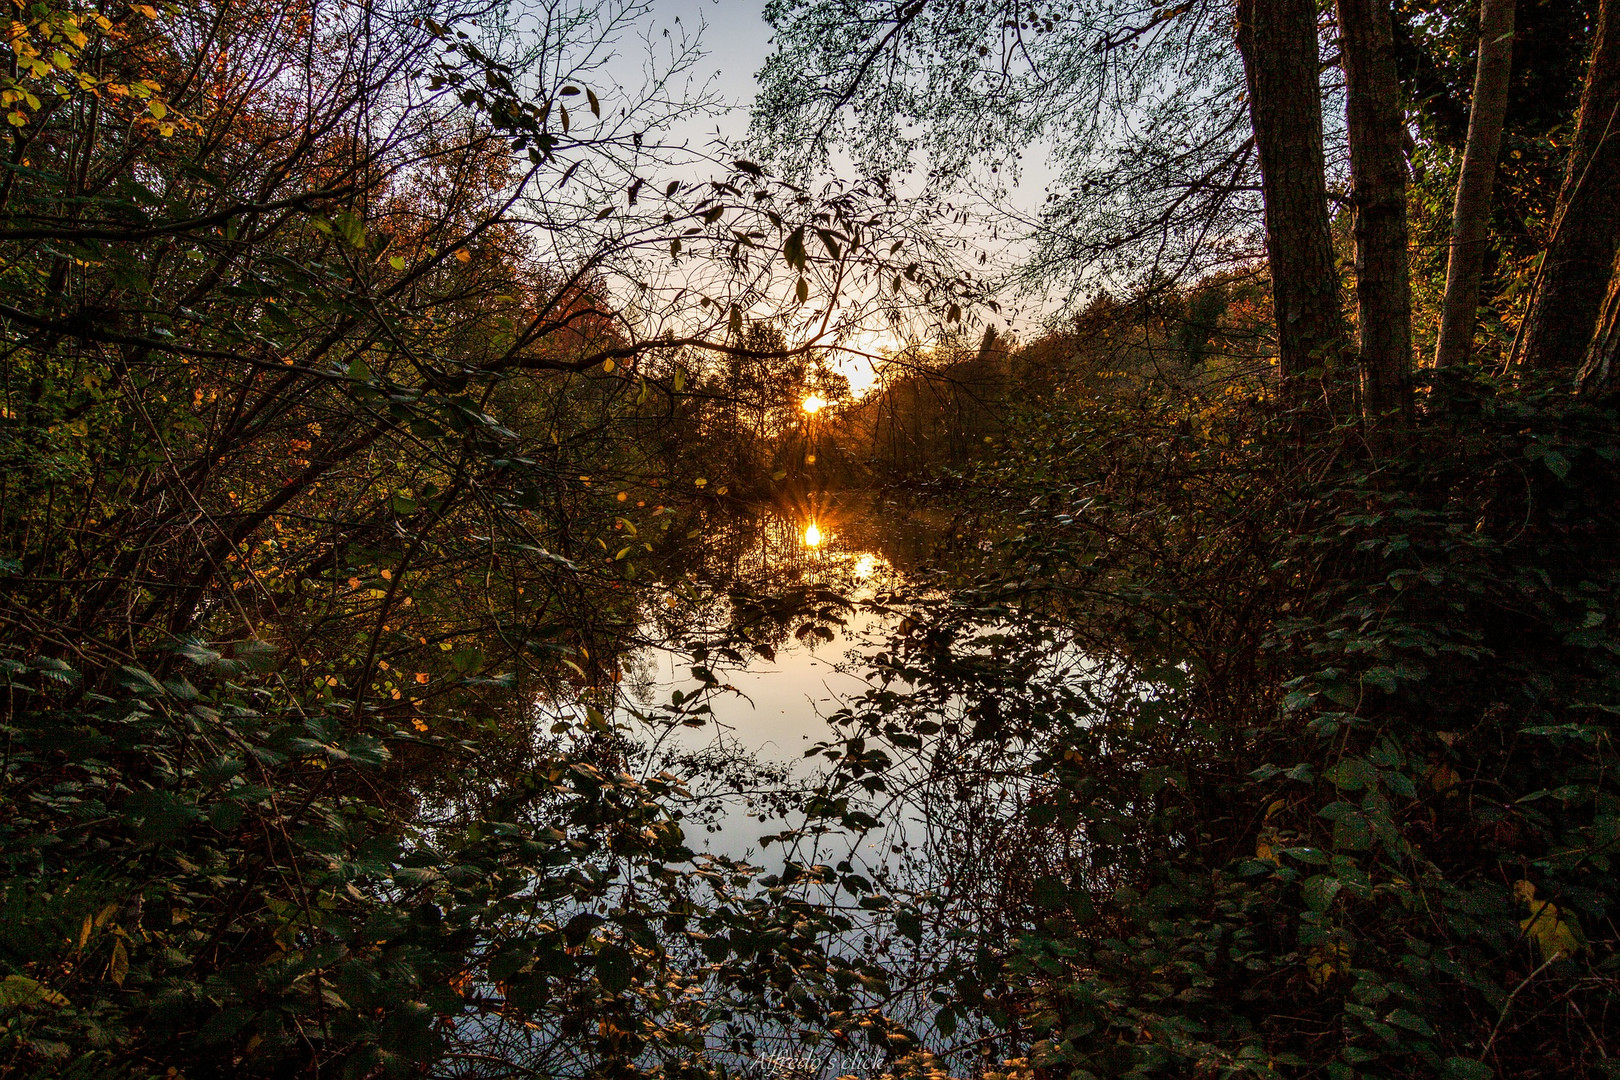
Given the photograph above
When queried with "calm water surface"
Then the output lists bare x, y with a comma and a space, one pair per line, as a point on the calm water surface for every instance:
773, 708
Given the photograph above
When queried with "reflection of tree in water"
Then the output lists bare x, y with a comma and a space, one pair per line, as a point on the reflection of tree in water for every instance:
766, 545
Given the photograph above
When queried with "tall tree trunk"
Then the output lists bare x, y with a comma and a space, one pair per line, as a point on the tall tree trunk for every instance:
1277, 39
1576, 267
1470, 218
1378, 188
1601, 371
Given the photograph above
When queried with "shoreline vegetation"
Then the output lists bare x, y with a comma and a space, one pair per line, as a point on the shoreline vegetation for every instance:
378, 385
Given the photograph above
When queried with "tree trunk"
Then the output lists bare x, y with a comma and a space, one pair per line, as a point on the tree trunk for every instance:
1602, 365
1576, 267
1378, 188
1277, 39
1470, 218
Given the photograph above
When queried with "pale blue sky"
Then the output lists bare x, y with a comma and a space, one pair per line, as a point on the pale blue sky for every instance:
736, 40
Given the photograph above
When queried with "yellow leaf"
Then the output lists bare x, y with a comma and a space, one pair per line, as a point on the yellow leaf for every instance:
84, 931
118, 969
608, 366
1326, 961
1444, 778
144, 9
396, 262
463, 255
1554, 935
158, 109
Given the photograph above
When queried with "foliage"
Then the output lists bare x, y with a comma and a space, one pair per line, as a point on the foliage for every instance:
337, 472
1437, 46
1140, 109
1248, 763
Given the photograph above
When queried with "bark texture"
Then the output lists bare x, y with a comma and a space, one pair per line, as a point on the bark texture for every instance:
1471, 216
1575, 270
1277, 39
1602, 365
1378, 189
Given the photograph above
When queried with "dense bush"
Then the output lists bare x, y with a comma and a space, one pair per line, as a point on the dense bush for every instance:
1334, 791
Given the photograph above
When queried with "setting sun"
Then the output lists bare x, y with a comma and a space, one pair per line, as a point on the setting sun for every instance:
812, 536
813, 404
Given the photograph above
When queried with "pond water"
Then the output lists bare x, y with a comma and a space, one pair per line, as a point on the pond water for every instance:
852, 569
772, 705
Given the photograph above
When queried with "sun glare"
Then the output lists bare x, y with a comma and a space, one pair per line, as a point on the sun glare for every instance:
812, 536
813, 404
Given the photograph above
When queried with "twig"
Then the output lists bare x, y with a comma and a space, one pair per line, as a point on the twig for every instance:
1508, 1004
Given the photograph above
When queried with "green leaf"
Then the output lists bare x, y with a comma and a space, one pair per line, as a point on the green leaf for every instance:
139, 680
1383, 678
614, 968
366, 750
1410, 1021
1319, 891
351, 228
467, 660
1351, 833
1049, 892
19, 991
1352, 774
255, 654
1461, 1068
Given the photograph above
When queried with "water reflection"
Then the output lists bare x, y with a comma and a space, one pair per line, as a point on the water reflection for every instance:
794, 590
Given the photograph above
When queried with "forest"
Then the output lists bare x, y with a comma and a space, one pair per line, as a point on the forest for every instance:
1082, 543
